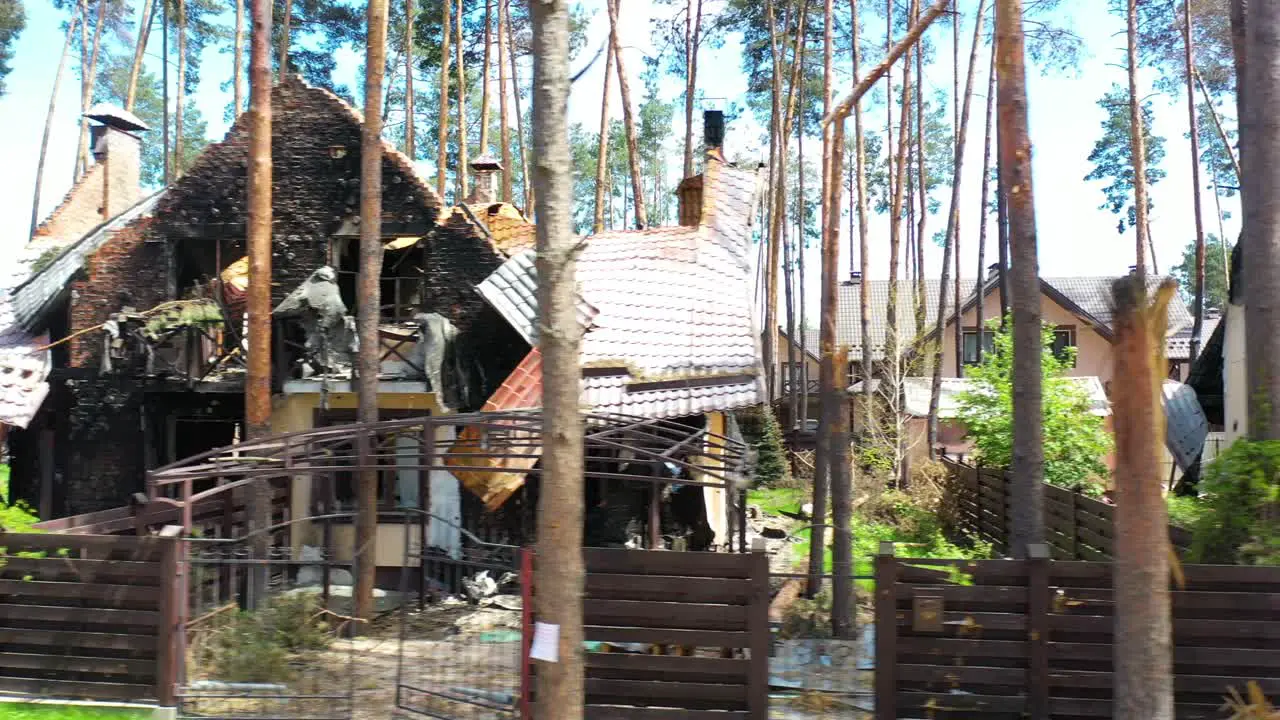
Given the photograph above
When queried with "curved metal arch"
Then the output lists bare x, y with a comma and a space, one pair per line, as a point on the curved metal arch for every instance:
625, 441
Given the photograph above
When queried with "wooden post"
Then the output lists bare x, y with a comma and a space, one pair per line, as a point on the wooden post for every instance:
526, 632
758, 631
169, 638
1038, 631
424, 505
886, 634
1075, 524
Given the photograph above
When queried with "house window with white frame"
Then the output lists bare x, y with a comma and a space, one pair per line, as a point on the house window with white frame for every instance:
970, 342
1064, 344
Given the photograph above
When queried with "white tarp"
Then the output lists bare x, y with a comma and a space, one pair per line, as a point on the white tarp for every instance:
1185, 424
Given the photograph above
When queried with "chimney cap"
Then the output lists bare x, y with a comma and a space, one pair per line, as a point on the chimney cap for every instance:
486, 162
713, 128
116, 117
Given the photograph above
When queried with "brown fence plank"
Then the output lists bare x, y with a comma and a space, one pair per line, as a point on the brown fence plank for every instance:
693, 695
1038, 631
16, 614
667, 588
667, 636
75, 689
81, 570
1183, 629
1084, 707
886, 609
984, 594
31, 591
919, 702
969, 676
75, 641
730, 670
978, 621
973, 651
649, 614
142, 547
1182, 683
71, 663
695, 564
604, 712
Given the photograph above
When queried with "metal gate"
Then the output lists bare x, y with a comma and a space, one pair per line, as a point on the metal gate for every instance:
461, 642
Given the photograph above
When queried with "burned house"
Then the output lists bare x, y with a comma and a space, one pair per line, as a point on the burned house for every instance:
122, 341
669, 333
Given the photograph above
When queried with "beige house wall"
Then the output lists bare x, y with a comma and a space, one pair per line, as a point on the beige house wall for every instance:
1093, 351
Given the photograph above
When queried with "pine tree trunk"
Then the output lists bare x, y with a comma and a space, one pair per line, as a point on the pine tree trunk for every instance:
922, 184
795, 250
87, 81
1143, 649
367, 311
484, 78
526, 178
464, 161
287, 19
951, 239
258, 240
237, 62
1027, 466
140, 48
602, 144
1138, 144
410, 129
1260, 197
559, 573
83, 140
179, 110
48, 123
692, 41
833, 423
893, 343
504, 124
1197, 327
770, 344
980, 286
442, 139
628, 119
864, 235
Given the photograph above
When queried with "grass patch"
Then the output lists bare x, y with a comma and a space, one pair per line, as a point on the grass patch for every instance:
774, 501
26, 711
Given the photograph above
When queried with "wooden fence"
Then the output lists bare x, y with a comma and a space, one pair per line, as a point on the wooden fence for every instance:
89, 616
1077, 527
705, 606
1033, 638
224, 516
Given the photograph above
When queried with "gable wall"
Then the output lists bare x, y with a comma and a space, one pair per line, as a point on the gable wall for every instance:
1093, 357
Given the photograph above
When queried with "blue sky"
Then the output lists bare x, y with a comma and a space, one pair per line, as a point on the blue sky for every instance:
1076, 238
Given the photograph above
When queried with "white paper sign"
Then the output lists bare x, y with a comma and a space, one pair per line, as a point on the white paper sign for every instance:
546, 642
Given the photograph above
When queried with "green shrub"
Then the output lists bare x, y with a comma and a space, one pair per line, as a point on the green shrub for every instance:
260, 646
1240, 520
15, 515
1075, 440
760, 429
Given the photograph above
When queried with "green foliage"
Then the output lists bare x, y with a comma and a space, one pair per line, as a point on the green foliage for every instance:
1112, 156
259, 646
1075, 440
13, 20
761, 431
23, 711
773, 501
1215, 275
1184, 511
1240, 490
15, 515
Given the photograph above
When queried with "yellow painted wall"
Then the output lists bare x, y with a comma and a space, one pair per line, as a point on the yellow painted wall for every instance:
717, 500
1093, 351
295, 412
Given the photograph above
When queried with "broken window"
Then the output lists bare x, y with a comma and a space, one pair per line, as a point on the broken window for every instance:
403, 282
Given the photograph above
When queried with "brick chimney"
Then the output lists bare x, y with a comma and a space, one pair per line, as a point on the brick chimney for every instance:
689, 192
484, 170
117, 147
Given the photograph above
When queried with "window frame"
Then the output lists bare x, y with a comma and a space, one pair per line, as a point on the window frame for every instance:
1073, 341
